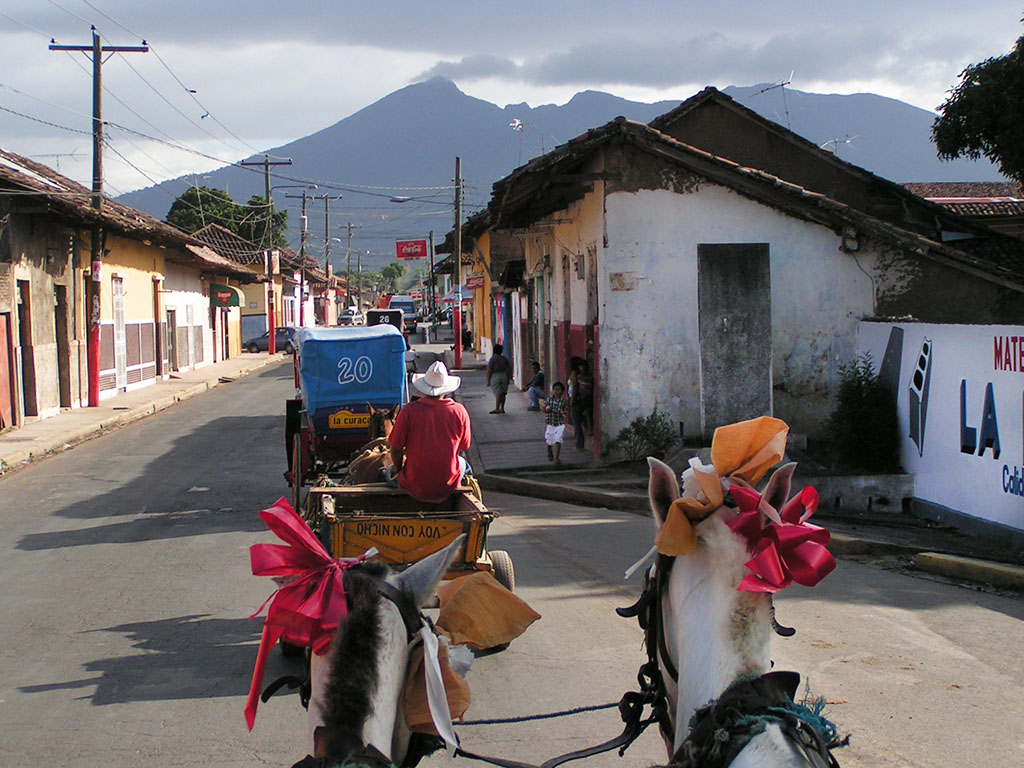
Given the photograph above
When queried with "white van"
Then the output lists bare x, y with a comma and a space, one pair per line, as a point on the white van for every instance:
407, 304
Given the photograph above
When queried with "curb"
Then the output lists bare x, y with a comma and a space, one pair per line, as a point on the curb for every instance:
969, 569
19, 459
629, 502
844, 544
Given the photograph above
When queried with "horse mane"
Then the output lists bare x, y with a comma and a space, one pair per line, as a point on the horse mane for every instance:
352, 677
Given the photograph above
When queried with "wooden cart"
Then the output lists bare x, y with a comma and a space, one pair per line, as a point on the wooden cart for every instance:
352, 519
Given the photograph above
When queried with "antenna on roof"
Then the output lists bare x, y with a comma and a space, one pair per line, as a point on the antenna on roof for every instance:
781, 84
836, 142
57, 156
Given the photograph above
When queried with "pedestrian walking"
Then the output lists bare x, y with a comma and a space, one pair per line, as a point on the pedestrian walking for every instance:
536, 387
499, 369
554, 421
581, 399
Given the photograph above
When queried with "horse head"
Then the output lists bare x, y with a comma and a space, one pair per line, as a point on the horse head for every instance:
382, 421
357, 687
716, 536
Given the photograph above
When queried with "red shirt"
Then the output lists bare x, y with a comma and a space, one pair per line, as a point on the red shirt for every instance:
432, 431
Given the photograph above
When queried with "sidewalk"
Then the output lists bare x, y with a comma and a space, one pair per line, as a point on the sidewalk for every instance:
38, 439
509, 456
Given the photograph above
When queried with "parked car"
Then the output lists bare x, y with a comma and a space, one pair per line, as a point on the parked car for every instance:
284, 341
351, 316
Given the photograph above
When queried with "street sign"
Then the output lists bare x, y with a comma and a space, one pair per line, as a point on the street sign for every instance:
411, 249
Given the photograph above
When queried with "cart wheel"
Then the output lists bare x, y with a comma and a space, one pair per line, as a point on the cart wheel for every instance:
290, 651
297, 473
503, 570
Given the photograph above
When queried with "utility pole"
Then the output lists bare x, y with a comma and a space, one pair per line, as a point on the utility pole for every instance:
359, 279
431, 303
457, 312
327, 250
268, 237
348, 253
302, 259
96, 239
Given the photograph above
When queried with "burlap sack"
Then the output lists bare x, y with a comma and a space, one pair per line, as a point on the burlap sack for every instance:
417, 711
477, 611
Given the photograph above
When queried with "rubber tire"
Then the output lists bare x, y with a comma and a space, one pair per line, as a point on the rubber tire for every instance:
503, 569
253, 348
288, 348
297, 473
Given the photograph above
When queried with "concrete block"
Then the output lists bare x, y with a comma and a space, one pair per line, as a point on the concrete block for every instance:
861, 493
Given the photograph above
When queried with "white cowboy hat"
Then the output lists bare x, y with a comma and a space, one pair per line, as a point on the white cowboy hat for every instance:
436, 381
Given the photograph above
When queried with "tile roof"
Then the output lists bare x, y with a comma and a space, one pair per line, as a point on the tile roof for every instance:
936, 189
528, 194
982, 208
230, 245
24, 178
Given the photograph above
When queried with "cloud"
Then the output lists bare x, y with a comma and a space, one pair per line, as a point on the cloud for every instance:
476, 67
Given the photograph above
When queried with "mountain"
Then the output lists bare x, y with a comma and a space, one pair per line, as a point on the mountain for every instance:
410, 138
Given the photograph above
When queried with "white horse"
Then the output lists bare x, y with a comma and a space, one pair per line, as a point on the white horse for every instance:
357, 687
714, 633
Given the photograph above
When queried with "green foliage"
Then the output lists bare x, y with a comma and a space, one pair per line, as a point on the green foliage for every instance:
390, 275
253, 223
198, 206
863, 431
981, 117
646, 436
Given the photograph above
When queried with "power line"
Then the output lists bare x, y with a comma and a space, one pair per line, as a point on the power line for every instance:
190, 91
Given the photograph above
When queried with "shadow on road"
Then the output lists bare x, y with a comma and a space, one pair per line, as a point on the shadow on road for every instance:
185, 657
211, 480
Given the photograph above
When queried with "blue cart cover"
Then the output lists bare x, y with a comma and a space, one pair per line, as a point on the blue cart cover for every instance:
341, 370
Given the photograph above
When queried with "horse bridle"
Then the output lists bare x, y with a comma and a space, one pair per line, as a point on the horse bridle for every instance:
734, 712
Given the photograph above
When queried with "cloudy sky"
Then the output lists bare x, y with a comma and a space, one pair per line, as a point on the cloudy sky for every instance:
264, 73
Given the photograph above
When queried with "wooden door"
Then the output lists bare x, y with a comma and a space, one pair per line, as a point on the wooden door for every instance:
735, 327
6, 372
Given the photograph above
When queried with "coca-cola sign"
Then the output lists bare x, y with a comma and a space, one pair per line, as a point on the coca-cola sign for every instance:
411, 249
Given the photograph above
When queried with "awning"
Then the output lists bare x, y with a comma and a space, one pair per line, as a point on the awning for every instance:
225, 296
467, 295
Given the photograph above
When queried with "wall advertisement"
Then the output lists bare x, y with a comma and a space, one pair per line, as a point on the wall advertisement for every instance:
960, 398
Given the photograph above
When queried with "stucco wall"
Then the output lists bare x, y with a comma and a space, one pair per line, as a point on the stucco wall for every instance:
966, 449
649, 337
183, 291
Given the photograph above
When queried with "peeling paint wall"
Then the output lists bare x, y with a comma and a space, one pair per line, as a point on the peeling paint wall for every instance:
649, 337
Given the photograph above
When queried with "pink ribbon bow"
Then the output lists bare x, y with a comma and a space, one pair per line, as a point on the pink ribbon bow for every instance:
788, 549
308, 607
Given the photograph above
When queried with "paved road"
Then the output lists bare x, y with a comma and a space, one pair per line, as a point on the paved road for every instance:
124, 638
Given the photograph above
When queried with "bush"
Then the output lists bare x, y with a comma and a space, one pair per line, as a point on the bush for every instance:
863, 431
646, 436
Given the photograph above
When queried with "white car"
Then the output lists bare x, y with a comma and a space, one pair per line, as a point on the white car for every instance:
351, 316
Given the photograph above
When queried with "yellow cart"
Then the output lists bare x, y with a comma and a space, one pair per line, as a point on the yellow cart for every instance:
352, 519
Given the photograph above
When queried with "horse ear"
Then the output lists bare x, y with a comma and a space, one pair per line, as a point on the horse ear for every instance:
393, 413
662, 488
420, 580
776, 492
369, 409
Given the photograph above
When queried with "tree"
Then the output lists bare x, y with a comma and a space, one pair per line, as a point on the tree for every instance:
253, 223
198, 206
981, 117
391, 273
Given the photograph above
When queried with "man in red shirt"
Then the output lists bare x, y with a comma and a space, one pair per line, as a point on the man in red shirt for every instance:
427, 438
